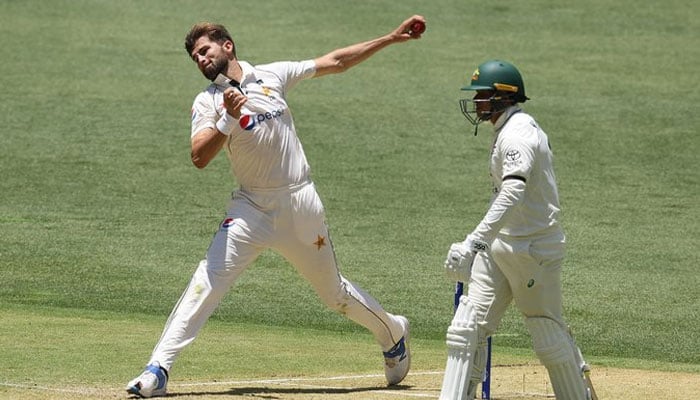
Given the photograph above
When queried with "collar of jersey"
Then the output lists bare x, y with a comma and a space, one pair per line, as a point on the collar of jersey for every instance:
248, 73
506, 116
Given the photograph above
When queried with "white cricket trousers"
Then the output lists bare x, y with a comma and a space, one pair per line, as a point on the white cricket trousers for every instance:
527, 270
524, 270
291, 222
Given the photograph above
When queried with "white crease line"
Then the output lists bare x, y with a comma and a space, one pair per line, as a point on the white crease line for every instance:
88, 391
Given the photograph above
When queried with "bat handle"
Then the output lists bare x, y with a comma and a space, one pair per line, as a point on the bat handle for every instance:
459, 290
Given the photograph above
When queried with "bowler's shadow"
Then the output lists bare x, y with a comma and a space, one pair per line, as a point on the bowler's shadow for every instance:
280, 392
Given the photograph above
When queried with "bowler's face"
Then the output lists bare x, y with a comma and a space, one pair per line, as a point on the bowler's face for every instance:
211, 57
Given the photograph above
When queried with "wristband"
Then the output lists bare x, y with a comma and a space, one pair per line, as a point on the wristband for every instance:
226, 124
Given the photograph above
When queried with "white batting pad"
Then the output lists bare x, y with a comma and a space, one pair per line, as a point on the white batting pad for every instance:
462, 346
554, 348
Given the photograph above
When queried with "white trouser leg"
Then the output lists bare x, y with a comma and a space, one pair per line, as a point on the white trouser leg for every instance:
533, 269
319, 268
190, 313
362, 308
235, 246
302, 237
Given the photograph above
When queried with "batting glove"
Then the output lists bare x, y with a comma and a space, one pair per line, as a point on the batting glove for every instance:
458, 265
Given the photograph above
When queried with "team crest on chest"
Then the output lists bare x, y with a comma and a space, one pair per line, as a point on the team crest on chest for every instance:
267, 91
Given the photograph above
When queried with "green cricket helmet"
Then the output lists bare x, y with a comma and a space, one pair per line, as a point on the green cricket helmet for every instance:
499, 76
503, 80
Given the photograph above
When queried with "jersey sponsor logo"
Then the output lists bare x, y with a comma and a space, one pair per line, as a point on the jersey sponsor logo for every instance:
270, 115
228, 222
513, 161
247, 122
512, 155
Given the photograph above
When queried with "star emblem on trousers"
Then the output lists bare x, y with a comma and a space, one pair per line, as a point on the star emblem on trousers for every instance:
320, 242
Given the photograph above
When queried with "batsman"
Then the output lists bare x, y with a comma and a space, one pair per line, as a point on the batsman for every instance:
515, 253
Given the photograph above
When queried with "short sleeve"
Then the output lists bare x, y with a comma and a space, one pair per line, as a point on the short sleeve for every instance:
291, 72
203, 113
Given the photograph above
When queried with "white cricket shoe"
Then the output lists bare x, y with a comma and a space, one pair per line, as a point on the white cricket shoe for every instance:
151, 383
397, 361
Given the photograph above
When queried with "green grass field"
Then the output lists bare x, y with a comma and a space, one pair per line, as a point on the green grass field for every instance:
103, 218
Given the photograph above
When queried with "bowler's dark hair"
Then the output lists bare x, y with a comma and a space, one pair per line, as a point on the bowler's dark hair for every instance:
215, 32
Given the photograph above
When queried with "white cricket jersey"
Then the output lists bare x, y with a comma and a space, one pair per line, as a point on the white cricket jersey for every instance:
521, 151
264, 150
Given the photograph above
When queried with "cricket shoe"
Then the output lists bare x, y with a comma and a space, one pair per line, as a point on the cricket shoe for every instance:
151, 383
397, 361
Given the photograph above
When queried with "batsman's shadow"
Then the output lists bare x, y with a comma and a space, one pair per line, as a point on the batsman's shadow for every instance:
280, 393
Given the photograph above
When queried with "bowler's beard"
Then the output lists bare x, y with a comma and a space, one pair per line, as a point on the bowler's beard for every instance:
218, 66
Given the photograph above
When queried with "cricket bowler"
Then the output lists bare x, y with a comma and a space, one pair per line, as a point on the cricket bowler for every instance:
244, 112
